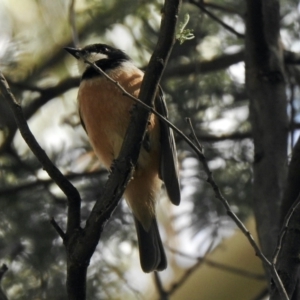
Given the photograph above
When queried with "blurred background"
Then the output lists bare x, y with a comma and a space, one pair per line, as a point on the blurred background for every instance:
204, 81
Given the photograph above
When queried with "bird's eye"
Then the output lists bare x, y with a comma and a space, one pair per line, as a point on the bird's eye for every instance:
105, 49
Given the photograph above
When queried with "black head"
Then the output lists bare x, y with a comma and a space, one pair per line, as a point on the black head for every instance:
105, 57
96, 52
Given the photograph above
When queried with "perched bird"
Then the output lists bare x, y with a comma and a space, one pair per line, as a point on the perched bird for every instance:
105, 115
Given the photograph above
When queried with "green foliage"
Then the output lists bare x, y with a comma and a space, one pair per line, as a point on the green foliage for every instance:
184, 34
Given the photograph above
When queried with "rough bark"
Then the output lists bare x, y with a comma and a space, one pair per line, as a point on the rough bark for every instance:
265, 84
288, 260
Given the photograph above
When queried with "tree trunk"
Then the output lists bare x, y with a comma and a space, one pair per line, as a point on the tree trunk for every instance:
265, 84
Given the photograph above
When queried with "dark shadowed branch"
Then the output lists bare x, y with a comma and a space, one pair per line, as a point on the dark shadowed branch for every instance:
81, 243
3, 270
215, 64
58, 229
38, 183
163, 295
68, 189
84, 242
221, 266
286, 255
242, 227
214, 17
223, 8
221, 62
46, 94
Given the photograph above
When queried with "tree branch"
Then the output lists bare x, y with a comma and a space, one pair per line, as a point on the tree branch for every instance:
216, 64
222, 266
58, 230
163, 295
286, 256
35, 184
292, 58
293, 188
83, 243
214, 17
226, 9
68, 189
219, 63
210, 180
3, 270
46, 94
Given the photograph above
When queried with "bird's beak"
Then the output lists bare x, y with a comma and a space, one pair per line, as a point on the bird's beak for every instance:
73, 51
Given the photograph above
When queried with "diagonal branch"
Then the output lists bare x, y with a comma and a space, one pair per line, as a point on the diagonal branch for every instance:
242, 227
132, 142
68, 189
144, 105
210, 180
287, 250
223, 8
82, 245
202, 159
221, 266
214, 17
46, 94
201, 67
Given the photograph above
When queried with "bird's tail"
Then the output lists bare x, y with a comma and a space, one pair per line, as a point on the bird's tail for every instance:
152, 254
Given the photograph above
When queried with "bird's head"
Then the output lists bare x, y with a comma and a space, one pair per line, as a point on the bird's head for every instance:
104, 56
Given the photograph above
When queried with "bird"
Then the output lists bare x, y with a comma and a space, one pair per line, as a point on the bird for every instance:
105, 115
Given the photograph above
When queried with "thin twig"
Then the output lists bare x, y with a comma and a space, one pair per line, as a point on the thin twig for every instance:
282, 234
189, 271
243, 228
284, 229
149, 108
214, 17
222, 8
82, 246
58, 229
210, 180
184, 277
200, 261
188, 120
225, 203
221, 266
163, 294
129, 284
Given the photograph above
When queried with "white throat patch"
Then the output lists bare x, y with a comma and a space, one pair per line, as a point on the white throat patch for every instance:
92, 57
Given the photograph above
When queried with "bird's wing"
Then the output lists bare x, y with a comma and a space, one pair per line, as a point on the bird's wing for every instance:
168, 164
